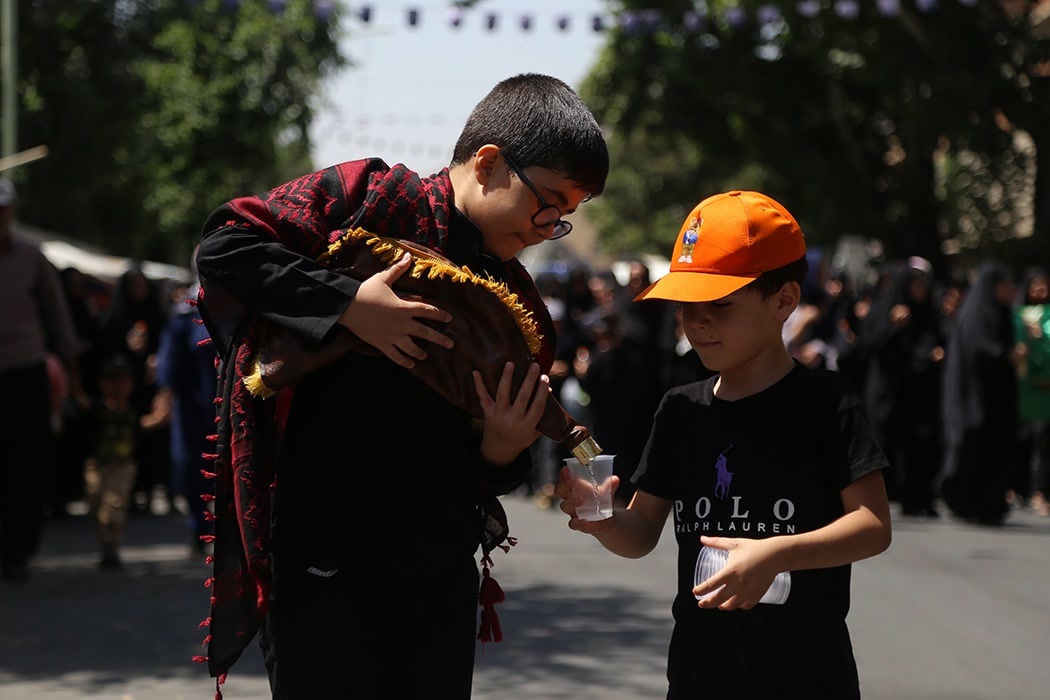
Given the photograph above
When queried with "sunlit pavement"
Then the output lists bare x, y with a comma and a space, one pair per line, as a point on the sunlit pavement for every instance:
951, 611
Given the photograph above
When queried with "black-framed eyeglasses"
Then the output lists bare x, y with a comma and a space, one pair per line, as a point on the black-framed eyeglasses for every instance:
547, 214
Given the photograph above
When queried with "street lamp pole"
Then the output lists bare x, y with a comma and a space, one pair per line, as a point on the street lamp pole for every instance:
9, 76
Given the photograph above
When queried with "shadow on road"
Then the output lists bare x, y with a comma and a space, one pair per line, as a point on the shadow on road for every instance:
559, 632
71, 623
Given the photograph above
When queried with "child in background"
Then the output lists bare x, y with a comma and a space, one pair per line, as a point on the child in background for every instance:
768, 465
109, 471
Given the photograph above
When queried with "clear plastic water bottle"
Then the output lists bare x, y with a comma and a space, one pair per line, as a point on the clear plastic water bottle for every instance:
711, 560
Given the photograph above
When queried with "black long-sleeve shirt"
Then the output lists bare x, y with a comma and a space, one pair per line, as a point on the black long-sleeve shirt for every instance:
371, 459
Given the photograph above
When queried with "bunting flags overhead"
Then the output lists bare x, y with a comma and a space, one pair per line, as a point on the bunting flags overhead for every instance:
633, 22
652, 20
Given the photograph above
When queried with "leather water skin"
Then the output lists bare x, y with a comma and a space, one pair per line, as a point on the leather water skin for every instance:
483, 329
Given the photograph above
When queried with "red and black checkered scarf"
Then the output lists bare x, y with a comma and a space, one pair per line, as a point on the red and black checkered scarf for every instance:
306, 215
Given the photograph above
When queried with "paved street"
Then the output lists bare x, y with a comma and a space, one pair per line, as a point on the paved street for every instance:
950, 612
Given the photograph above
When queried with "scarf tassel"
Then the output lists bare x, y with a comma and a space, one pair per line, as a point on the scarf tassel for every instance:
490, 594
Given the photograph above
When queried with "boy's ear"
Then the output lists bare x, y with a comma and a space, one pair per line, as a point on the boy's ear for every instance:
485, 163
787, 300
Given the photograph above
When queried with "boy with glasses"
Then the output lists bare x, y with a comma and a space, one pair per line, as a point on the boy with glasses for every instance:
547, 214
353, 605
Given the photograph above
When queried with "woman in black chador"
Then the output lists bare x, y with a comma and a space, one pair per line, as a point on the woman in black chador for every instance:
903, 384
980, 400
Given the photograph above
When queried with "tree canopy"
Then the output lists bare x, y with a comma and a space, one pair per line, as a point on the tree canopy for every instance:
917, 122
156, 111
890, 120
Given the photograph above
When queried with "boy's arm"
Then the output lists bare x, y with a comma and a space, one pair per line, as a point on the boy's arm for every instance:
262, 250
861, 532
631, 532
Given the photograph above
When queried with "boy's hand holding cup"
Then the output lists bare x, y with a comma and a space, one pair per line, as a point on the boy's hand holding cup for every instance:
587, 492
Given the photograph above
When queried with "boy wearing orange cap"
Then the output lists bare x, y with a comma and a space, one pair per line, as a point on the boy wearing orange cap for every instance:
768, 466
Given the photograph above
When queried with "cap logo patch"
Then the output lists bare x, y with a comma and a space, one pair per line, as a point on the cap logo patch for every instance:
689, 238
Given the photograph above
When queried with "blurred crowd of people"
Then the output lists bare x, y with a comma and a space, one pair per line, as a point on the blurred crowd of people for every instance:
954, 369
615, 359
135, 447
106, 400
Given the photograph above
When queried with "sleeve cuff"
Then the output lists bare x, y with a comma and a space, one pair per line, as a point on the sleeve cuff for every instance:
505, 478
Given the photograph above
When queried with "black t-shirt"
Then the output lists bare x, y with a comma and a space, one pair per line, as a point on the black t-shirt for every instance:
773, 463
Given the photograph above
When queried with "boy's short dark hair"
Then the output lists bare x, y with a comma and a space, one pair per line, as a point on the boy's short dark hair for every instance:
539, 120
769, 283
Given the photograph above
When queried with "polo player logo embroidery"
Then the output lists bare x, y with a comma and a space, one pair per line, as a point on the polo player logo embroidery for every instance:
689, 238
725, 477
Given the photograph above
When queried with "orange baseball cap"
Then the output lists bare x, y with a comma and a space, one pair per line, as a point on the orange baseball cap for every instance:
725, 243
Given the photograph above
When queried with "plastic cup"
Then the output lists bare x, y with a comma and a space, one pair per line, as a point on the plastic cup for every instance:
711, 560
591, 483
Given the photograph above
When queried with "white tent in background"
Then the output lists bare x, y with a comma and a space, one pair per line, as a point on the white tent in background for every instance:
65, 252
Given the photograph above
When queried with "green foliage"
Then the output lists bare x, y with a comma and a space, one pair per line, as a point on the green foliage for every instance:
838, 118
157, 111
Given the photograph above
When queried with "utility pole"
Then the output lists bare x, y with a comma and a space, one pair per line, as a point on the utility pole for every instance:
9, 76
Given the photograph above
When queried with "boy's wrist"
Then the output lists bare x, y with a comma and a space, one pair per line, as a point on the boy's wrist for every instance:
496, 456
782, 552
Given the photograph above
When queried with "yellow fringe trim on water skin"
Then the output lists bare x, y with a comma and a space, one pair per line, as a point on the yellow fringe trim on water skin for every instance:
388, 250
254, 382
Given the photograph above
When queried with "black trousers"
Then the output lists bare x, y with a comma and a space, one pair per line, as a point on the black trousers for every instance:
330, 636
25, 460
